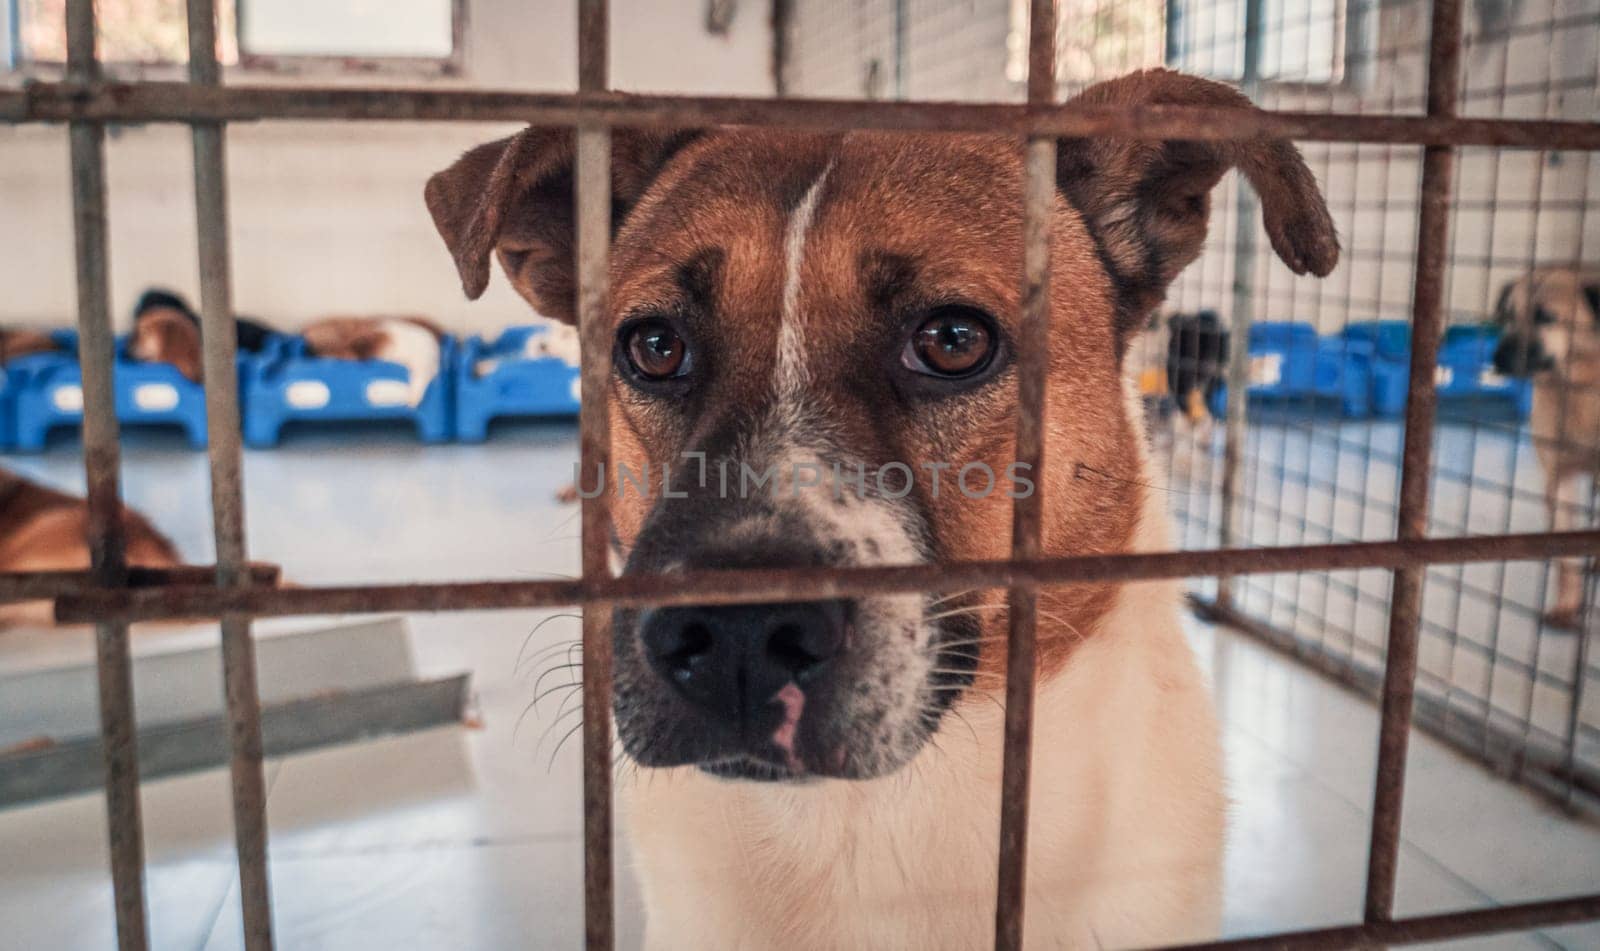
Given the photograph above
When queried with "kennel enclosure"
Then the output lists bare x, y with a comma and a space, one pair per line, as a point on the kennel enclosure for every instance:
111, 596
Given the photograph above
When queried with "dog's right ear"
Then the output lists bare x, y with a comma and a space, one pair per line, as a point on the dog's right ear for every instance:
1147, 204
515, 197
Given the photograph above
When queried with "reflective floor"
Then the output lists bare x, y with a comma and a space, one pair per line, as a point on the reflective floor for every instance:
468, 838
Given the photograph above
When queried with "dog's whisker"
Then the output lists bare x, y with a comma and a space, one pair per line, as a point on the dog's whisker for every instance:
963, 612
944, 646
574, 691
970, 691
516, 666
557, 751
945, 599
552, 725
571, 665
968, 673
573, 685
570, 651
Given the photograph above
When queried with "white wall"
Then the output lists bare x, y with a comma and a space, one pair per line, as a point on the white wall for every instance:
328, 217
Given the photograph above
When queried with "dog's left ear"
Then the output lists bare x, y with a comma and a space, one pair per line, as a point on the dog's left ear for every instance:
1147, 203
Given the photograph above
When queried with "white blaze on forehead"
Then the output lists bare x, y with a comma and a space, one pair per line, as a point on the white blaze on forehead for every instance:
790, 373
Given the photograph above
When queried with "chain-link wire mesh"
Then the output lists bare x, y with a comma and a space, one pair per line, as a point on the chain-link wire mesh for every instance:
1505, 669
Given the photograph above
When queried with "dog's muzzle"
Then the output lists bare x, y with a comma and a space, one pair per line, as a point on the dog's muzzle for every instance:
735, 661
1517, 355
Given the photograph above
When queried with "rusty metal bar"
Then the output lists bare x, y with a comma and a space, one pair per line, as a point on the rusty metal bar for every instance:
1440, 927
1246, 211
218, 339
181, 102
1027, 512
593, 212
1405, 607
802, 584
44, 585
101, 459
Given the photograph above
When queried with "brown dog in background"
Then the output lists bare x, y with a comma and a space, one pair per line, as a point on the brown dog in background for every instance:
45, 530
21, 342
1550, 321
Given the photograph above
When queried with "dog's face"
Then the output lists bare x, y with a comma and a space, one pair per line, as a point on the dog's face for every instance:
166, 335
815, 341
1548, 319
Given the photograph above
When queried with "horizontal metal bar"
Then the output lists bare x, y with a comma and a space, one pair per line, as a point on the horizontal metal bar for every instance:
181, 102
1453, 924
45, 585
796, 584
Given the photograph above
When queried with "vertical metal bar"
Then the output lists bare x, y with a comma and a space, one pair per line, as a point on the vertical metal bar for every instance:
782, 20
1027, 513
1400, 671
594, 430
902, 43
1246, 212
218, 338
102, 459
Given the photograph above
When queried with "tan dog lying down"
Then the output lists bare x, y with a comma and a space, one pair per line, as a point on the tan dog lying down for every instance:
20, 343
825, 774
45, 530
166, 330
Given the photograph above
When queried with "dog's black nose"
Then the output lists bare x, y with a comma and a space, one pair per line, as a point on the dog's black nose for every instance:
1517, 355
731, 660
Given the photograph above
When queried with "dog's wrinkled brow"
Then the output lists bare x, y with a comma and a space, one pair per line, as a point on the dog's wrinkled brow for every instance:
888, 278
696, 278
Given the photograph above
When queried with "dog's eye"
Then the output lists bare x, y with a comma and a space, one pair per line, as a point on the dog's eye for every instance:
952, 342
654, 350
1543, 317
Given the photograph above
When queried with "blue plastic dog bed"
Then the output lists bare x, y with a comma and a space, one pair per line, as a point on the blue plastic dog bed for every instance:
515, 384
1288, 362
48, 393
1465, 374
10, 384
287, 383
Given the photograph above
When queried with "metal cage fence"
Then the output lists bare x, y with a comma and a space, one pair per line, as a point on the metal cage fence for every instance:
112, 596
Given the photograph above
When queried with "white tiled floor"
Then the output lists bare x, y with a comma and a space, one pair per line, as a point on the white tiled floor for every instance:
469, 838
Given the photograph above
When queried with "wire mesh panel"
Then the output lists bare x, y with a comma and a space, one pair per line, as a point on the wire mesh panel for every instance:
1334, 518
1501, 674
1319, 460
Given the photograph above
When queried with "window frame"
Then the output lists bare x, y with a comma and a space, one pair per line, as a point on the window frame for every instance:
255, 65
1354, 47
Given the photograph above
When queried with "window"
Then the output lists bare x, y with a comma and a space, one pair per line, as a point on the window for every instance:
1302, 41
372, 29
271, 34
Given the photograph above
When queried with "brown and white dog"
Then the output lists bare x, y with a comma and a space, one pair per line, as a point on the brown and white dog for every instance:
1551, 333
412, 342
167, 330
22, 342
826, 774
45, 530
